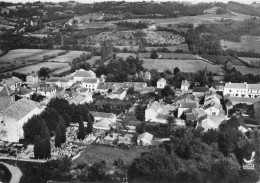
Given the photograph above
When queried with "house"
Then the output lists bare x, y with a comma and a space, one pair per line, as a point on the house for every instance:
101, 115
6, 92
90, 83
32, 78
81, 99
185, 86
158, 112
5, 102
80, 74
12, 82
186, 107
64, 82
161, 83
211, 122
104, 124
15, 116
145, 139
211, 98
242, 90
199, 91
212, 109
47, 91
119, 94
148, 90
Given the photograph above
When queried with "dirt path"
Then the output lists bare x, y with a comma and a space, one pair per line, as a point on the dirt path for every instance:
15, 171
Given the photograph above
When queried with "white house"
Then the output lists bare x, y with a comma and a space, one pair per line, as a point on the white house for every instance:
243, 90
15, 116
211, 122
119, 94
12, 82
90, 83
145, 139
152, 111
185, 85
32, 78
161, 83
185, 107
47, 91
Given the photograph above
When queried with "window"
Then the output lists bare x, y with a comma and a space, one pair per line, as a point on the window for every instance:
230, 90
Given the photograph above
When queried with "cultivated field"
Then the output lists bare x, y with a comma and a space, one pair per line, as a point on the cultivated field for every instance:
176, 56
36, 67
220, 60
68, 57
125, 55
184, 65
97, 153
183, 47
252, 61
27, 55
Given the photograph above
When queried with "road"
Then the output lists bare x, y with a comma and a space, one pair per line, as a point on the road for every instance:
15, 171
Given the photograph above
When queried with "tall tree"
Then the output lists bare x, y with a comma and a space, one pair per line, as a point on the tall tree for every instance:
45, 141
58, 135
37, 147
67, 119
81, 130
89, 127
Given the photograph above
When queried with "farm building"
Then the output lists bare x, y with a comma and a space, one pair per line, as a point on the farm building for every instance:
145, 139
243, 90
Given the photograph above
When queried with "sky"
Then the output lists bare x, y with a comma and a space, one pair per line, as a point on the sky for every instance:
91, 1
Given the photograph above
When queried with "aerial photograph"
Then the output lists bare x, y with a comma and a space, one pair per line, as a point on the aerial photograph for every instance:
129, 91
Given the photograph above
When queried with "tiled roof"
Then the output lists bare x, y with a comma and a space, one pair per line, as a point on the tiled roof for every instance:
119, 91
20, 108
242, 86
162, 80
83, 73
102, 86
6, 91
149, 89
102, 114
201, 89
90, 80
11, 81
52, 79
5, 102
23, 91
147, 136
76, 100
104, 123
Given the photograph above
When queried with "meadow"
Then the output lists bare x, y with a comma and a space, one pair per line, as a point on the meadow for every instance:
68, 57
36, 67
176, 56
220, 59
251, 61
184, 65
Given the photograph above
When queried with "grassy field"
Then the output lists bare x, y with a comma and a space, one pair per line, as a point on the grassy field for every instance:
176, 56
125, 55
183, 47
68, 57
36, 67
184, 65
27, 54
97, 153
251, 61
246, 45
247, 70
93, 59
220, 59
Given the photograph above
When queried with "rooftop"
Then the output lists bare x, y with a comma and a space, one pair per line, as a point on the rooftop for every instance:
90, 80
201, 89
76, 100
6, 91
20, 108
85, 74
102, 114
5, 102
242, 86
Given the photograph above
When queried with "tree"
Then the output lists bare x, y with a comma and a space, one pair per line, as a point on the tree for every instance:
81, 130
37, 149
44, 72
58, 136
63, 128
66, 118
33, 127
45, 141
89, 127
154, 55
176, 70
167, 91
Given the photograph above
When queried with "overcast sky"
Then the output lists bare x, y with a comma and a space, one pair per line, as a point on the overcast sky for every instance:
91, 1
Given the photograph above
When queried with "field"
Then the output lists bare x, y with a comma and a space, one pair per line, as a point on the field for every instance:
184, 65
95, 25
68, 57
246, 45
97, 153
247, 70
27, 54
220, 60
93, 59
36, 67
252, 61
176, 56
125, 55
183, 47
